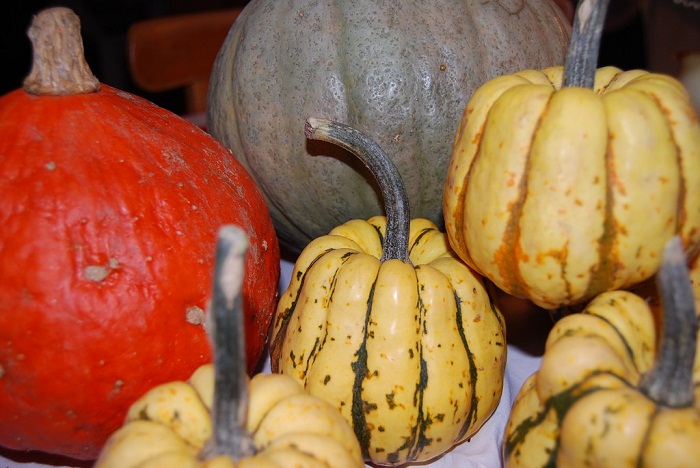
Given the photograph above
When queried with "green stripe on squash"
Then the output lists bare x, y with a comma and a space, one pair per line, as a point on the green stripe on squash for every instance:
403, 389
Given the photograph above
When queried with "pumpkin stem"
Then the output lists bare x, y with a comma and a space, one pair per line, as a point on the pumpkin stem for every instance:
398, 218
670, 381
58, 67
230, 406
584, 45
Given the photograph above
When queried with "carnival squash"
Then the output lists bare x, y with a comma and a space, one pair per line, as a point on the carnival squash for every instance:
614, 388
221, 419
567, 182
109, 207
401, 70
384, 322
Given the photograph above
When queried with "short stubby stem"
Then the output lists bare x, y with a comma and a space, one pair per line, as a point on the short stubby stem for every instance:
58, 67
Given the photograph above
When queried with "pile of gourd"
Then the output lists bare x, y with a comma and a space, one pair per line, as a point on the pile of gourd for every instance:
569, 187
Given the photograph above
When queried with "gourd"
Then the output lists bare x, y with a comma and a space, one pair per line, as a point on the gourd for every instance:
220, 418
567, 182
401, 70
109, 211
382, 320
614, 389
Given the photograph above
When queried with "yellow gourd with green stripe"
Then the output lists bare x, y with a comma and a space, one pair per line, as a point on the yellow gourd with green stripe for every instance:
382, 320
610, 392
221, 419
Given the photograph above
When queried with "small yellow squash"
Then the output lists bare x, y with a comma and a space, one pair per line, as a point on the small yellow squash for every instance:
386, 323
218, 418
567, 182
610, 392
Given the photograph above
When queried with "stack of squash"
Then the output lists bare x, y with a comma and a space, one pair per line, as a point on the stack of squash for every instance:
564, 187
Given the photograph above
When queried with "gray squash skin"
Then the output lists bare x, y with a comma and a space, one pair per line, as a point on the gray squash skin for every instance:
399, 71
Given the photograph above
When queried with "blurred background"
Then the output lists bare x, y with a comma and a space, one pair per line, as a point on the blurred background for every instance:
650, 34
104, 25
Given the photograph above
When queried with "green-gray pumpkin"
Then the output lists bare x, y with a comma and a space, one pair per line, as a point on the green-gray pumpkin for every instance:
400, 71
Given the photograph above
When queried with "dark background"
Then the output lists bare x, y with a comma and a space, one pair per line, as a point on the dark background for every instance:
105, 23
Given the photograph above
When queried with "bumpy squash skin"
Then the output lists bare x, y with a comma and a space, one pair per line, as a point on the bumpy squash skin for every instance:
412, 355
109, 183
401, 71
557, 195
583, 407
170, 424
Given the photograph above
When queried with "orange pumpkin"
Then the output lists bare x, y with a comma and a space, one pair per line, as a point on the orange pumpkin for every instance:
109, 211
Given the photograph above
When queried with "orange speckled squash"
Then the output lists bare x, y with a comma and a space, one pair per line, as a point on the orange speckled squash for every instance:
109, 212
567, 182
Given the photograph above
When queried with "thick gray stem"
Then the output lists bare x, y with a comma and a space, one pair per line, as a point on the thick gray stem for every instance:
670, 381
230, 407
398, 217
582, 55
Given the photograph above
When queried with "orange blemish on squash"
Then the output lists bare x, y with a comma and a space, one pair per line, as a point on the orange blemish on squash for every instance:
558, 255
604, 271
510, 254
477, 138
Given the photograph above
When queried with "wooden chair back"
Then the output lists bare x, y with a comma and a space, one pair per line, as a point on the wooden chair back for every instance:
178, 51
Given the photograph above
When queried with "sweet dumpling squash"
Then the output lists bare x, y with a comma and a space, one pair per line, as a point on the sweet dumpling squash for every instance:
610, 392
382, 320
567, 182
218, 418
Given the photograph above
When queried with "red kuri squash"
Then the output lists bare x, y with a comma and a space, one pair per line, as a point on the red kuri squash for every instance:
109, 211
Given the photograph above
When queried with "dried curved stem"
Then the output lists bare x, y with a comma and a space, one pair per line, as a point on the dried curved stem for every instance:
393, 191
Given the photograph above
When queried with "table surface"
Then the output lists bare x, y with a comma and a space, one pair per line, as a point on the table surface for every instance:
483, 450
